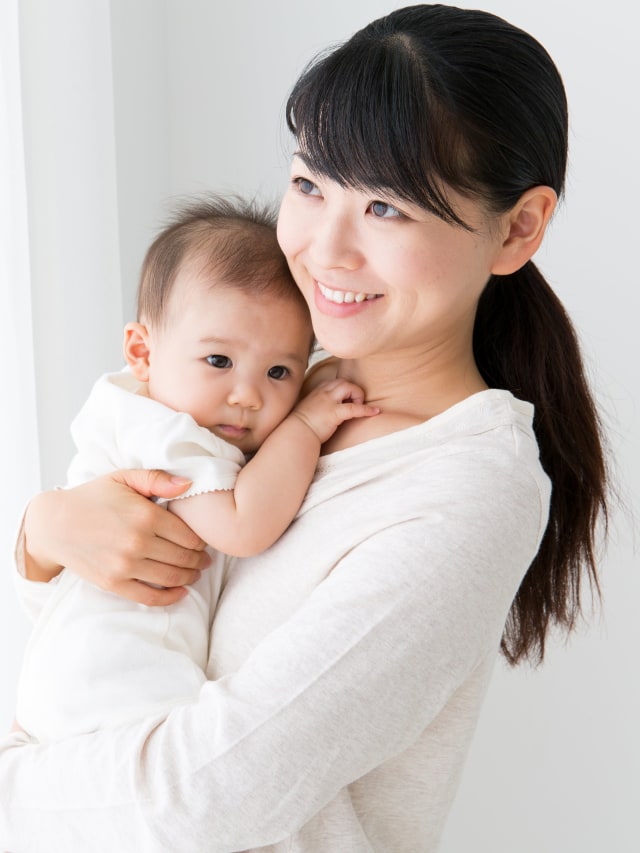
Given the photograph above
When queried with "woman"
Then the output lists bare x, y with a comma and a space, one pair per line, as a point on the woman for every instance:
349, 661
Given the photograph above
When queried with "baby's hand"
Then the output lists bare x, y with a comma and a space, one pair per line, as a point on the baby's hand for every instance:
331, 403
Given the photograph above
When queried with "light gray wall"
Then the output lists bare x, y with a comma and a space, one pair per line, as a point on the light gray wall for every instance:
142, 130
198, 93
72, 209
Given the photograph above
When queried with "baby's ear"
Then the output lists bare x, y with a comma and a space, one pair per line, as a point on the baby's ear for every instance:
526, 226
137, 349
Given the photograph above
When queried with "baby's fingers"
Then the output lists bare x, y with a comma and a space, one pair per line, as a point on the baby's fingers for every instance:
350, 410
348, 392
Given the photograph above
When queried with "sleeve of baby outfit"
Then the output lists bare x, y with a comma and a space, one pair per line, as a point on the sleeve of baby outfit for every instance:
117, 428
180, 446
349, 681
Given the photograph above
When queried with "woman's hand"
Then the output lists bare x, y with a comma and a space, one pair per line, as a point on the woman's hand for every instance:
108, 532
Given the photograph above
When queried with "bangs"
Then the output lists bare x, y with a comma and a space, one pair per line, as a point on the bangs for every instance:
364, 117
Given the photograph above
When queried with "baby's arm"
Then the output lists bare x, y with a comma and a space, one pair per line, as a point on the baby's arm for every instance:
272, 485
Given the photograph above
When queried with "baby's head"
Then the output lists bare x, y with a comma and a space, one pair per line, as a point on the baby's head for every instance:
223, 332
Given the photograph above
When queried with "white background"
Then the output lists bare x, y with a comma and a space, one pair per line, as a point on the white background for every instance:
130, 103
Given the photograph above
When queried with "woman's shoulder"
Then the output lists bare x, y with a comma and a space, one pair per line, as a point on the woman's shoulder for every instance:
491, 417
486, 442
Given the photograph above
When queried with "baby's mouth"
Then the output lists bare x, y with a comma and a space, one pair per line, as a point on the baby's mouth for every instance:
231, 430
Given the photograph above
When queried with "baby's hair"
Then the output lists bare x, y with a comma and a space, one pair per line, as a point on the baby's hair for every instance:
229, 239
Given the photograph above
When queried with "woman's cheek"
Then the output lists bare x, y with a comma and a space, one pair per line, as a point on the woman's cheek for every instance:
284, 227
295, 225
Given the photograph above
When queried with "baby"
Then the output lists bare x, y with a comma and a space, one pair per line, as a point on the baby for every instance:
216, 364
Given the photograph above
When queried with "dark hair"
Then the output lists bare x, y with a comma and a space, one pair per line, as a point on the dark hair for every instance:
432, 97
234, 241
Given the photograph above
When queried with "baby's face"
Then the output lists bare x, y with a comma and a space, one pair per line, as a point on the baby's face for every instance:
234, 361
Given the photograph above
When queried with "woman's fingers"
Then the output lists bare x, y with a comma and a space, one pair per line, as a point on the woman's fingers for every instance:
152, 546
152, 482
110, 533
149, 594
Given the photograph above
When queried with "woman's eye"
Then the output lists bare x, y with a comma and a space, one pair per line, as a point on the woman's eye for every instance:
382, 210
278, 372
305, 186
219, 361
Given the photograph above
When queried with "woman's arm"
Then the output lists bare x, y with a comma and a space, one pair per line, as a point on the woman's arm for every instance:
349, 681
108, 532
323, 700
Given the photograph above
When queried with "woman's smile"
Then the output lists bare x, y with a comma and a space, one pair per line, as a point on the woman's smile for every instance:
345, 296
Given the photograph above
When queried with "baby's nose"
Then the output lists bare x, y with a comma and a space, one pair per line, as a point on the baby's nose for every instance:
246, 395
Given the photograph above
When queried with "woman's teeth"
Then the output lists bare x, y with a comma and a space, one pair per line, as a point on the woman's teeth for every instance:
340, 296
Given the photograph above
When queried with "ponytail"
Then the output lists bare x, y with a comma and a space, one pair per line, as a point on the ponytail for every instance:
524, 342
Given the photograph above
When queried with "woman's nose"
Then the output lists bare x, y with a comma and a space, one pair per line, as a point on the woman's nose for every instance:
333, 243
245, 395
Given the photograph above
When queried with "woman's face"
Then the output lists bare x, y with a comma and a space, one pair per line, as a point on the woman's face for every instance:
381, 275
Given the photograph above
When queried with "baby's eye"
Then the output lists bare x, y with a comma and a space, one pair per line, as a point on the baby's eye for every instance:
278, 372
219, 361
382, 210
305, 186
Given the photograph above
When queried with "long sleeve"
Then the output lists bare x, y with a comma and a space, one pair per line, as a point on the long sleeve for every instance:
384, 661
32, 595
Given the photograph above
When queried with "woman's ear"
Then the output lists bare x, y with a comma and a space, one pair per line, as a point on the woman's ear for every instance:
527, 223
137, 350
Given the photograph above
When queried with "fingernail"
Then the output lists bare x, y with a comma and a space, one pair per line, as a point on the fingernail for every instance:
180, 481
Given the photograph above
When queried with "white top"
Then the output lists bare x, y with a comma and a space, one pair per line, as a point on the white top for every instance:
350, 661
94, 659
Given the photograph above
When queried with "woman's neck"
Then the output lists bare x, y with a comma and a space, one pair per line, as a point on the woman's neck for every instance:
419, 385
408, 391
